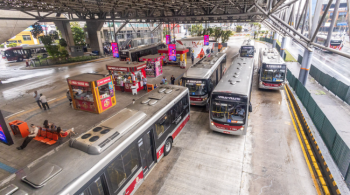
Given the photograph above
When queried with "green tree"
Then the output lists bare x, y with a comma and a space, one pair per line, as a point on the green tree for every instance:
225, 36
63, 42
78, 33
37, 30
196, 29
217, 33
238, 29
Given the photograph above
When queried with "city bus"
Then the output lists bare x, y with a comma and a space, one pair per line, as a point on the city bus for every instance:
272, 69
230, 101
202, 77
24, 52
113, 157
337, 42
247, 48
134, 54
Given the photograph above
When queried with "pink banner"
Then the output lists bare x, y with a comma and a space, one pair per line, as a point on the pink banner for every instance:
85, 105
78, 83
103, 81
106, 103
172, 52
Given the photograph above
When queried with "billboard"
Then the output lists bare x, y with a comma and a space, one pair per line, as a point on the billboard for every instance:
167, 38
172, 52
5, 136
115, 50
206, 40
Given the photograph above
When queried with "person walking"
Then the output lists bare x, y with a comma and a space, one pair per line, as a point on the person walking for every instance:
192, 58
163, 80
44, 101
172, 79
144, 83
33, 132
37, 99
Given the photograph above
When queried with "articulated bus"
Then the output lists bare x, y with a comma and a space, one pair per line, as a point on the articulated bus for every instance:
230, 101
134, 54
202, 77
115, 156
272, 69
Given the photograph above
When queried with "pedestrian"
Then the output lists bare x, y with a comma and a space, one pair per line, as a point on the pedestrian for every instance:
155, 86
69, 97
172, 79
27, 62
163, 80
192, 58
122, 84
33, 132
144, 83
44, 101
62, 133
37, 99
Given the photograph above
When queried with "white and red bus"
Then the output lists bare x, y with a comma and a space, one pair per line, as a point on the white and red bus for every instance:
272, 69
21, 53
337, 42
230, 100
115, 156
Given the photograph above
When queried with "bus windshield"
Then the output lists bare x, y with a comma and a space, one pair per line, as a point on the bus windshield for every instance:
247, 51
335, 42
273, 73
196, 87
230, 109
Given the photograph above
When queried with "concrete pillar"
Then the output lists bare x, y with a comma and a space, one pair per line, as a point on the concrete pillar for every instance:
94, 32
305, 66
283, 45
66, 31
274, 40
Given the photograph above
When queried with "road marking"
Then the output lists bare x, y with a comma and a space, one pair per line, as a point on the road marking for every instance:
15, 113
51, 99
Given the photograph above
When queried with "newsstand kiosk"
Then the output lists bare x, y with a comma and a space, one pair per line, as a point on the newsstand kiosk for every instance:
154, 66
180, 53
127, 74
92, 92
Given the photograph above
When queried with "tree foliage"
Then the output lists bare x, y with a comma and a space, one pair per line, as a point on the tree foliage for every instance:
196, 29
238, 29
63, 42
217, 33
78, 33
225, 36
54, 50
37, 30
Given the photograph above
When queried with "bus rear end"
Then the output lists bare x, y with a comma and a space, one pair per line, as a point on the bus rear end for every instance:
272, 76
198, 90
229, 113
336, 44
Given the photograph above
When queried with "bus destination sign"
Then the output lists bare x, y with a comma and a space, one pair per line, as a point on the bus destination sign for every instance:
274, 66
194, 81
229, 98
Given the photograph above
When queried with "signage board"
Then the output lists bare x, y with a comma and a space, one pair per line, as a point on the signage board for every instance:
115, 50
206, 40
172, 52
167, 39
103, 81
79, 83
5, 136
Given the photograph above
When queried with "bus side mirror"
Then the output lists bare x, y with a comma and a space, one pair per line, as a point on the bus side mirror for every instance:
250, 108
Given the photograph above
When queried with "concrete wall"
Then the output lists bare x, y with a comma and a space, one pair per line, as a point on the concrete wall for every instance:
95, 40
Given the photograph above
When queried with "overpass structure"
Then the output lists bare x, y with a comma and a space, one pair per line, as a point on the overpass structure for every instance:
280, 16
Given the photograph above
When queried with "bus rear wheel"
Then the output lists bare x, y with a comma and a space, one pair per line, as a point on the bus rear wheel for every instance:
167, 146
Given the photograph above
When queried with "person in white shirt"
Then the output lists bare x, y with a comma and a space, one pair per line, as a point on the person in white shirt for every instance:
33, 132
44, 101
144, 83
37, 97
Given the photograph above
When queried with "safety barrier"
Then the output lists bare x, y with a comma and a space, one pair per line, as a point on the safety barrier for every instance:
338, 88
335, 144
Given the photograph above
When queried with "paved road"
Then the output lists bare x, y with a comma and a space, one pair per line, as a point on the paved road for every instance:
332, 64
267, 161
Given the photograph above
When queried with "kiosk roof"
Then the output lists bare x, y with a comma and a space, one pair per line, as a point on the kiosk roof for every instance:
125, 64
87, 77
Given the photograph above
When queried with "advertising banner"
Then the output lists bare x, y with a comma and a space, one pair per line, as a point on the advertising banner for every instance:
206, 40
85, 105
79, 83
172, 52
5, 136
115, 50
167, 38
103, 81
106, 103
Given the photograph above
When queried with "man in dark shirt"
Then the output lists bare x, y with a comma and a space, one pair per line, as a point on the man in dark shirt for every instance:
172, 79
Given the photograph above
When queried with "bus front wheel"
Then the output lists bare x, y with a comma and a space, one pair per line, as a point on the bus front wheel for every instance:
167, 147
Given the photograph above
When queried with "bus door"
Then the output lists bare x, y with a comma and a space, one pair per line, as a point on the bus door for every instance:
146, 150
221, 70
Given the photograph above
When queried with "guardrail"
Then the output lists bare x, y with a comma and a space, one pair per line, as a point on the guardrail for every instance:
337, 147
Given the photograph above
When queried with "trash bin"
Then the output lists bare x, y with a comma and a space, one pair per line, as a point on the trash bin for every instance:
134, 90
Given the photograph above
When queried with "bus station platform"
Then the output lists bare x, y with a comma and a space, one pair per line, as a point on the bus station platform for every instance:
268, 160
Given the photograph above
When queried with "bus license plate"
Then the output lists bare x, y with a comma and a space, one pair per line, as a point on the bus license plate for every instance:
227, 132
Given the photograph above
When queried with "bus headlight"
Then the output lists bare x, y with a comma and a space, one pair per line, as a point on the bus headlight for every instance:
242, 128
212, 123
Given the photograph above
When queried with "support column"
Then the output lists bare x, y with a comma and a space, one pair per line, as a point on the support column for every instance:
274, 40
283, 45
93, 29
305, 66
316, 17
334, 18
66, 31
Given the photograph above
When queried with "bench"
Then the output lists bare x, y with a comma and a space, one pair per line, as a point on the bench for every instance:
46, 137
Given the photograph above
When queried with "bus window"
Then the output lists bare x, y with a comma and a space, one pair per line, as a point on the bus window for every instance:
247, 51
162, 125
95, 188
232, 111
272, 75
196, 87
122, 167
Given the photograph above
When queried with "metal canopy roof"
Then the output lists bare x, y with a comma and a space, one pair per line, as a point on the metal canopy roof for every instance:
147, 10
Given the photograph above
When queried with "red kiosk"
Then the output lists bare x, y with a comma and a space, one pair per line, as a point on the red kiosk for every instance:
127, 74
181, 56
154, 65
